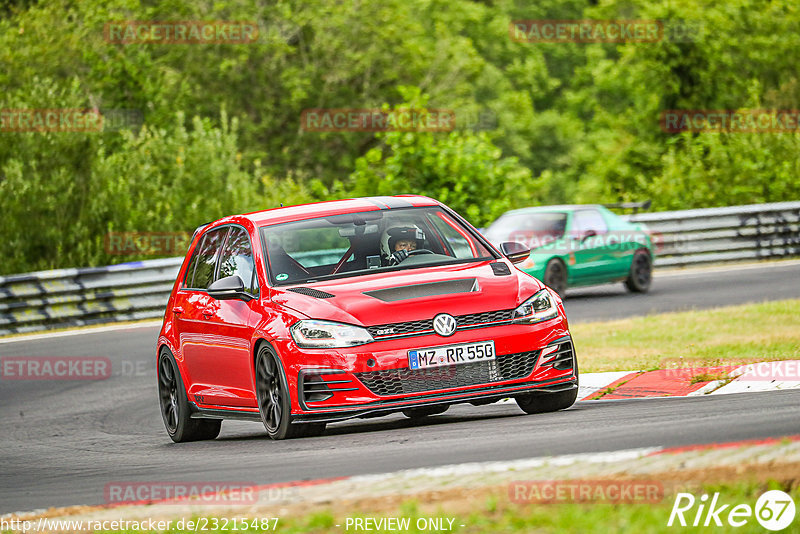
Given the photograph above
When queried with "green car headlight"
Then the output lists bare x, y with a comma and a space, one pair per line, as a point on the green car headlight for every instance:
540, 307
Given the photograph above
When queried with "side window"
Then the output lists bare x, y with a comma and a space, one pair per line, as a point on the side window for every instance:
189, 276
586, 220
206, 259
237, 259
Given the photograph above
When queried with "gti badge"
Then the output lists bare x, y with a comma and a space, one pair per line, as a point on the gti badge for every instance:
444, 324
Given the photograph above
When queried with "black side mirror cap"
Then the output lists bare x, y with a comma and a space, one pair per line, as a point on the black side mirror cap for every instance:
229, 288
515, 252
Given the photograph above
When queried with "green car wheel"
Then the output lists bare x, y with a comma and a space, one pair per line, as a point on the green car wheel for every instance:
555, 276
641, 272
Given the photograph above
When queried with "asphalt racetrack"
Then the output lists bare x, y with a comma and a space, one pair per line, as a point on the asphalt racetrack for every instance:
62, 442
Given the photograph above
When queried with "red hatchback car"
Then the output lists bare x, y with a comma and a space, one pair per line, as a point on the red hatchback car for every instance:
304, 315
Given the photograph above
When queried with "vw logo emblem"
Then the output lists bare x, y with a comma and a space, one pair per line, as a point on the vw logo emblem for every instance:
444, 324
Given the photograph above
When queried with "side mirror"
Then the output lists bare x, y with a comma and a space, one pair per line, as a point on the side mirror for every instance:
516, 252
229, 288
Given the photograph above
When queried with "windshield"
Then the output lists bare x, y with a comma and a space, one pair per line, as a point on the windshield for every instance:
365, 243
531, 229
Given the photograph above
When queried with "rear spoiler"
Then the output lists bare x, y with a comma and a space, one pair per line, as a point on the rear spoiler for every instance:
635, 206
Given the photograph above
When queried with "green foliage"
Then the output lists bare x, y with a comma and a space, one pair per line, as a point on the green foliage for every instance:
736, 55
536, 122
62, 193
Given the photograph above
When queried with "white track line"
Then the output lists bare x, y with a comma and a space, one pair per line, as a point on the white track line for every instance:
81, 330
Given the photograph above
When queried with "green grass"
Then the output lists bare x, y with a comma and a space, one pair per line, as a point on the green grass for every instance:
720, 336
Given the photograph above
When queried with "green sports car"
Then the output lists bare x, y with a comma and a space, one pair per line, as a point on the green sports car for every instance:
578, 245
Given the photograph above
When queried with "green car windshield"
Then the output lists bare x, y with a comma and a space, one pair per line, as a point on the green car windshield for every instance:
531, 229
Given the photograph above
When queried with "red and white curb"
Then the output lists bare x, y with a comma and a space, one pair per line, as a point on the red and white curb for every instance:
692, 381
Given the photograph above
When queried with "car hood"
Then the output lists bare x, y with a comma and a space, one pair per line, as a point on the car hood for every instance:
410, 295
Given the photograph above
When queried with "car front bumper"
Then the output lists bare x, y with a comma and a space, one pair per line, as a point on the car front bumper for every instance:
481, 395
375, 379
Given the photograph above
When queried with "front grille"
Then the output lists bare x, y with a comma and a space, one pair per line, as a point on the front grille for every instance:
401, 328
402, 381
517, 365
384, 331
485, 317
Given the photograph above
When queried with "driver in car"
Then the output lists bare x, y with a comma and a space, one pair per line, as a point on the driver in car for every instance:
400, 241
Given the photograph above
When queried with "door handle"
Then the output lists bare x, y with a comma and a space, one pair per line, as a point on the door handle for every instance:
177, 309
208, 312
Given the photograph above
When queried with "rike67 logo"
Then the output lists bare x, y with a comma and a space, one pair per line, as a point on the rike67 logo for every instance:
774, 510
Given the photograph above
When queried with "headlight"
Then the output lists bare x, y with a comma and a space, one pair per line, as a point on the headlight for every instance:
311, 334
540, 307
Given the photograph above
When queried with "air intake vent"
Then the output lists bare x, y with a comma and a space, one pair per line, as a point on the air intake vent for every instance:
447, 287
318, 385
309, 292
562, 359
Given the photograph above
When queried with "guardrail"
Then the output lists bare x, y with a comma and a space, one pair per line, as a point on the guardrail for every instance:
139, 290
76, 297
691, 237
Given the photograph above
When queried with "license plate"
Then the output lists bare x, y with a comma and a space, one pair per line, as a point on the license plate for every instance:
451, 355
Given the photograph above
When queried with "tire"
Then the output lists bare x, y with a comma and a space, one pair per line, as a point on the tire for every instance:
419, 413
175, 410
555, 276
549, 402
274, 399
641, 273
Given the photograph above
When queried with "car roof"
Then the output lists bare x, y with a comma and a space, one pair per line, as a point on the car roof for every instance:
334, 207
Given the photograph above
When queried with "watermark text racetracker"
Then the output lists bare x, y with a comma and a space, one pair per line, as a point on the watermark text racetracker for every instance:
180, 32
186, 492
753, 369
564, 491
614, 240
730, 121
69, 119
147, 243
71, 368
784, 371
603, 31
377, 120
586, 31
55, 368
